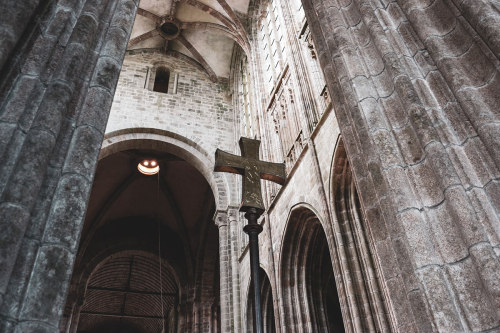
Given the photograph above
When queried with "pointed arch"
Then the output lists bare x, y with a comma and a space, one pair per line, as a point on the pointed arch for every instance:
308, 285
267, 303
367, 309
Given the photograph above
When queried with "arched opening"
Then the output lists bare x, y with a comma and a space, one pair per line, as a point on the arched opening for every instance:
366, 306
267, 304
137, 228
162, 79
125, 292
309, 291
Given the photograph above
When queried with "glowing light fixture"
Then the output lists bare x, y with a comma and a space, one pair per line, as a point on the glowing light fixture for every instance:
148, 167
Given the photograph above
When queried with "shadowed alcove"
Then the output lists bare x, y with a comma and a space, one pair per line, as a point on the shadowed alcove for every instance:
134, 222
267, 305
309, 291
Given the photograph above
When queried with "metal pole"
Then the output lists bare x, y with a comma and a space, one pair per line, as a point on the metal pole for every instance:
253, 229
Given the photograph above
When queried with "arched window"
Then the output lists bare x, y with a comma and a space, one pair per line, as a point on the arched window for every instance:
161, 80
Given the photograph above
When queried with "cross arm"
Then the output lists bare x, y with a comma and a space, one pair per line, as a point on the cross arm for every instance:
274, 172
227, 162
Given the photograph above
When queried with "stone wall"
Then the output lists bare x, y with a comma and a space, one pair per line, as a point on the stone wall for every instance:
199, 109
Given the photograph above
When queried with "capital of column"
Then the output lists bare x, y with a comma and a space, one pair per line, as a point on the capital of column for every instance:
224, 217
221, 218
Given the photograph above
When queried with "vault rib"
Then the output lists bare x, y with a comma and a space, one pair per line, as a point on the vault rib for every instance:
183, 233
214, 27
105, 208
198, 57
239, 26
173, 8
149, 15
144, 36
215, 13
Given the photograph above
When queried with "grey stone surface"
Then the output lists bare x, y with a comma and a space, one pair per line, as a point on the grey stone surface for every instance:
408, 198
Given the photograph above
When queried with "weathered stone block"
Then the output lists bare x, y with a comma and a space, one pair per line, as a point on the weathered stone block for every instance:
53, 267
124, 15
106, 73
15, 105
19, 278
114, 46
409, 144
418, 236
83, 152
67, 211
480, 313
441, 304
95, 110
389, 263
25, 182
13, 222
399, 302
402, 192
479, 69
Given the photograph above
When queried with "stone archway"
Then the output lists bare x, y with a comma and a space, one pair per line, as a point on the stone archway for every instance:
169, 215
134, 275
308, 288
150, 138
366, 308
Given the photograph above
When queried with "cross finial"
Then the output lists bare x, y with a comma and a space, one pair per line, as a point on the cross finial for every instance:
252, 169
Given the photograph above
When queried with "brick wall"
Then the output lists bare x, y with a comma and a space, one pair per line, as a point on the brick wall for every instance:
200, 110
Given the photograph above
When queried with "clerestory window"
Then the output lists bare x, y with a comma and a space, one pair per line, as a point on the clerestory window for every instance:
162, 78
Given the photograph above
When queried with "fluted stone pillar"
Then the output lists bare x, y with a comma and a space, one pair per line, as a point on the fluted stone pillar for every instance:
234, 227
221, 220
60, 73
415, 87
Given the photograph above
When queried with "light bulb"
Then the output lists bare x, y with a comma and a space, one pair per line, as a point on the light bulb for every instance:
148, 167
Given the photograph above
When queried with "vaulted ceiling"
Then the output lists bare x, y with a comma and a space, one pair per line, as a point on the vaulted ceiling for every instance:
205, 30
131, 219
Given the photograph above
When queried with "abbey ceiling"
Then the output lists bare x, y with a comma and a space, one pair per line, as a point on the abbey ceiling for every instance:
204, 30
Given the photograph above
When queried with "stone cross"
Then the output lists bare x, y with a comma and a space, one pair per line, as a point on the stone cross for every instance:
252, 169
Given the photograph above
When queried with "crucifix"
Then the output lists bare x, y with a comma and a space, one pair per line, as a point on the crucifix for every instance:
253, 170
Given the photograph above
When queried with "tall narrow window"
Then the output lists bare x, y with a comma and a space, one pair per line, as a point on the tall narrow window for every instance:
161, 80
272, 45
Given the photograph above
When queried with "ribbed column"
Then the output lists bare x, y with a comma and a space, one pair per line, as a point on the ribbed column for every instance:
58, 107
221, 220
413, 92
234, 227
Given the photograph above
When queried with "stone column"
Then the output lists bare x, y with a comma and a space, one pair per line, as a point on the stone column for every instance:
52, 123
416, 96
484, 17
235, 226
221, 220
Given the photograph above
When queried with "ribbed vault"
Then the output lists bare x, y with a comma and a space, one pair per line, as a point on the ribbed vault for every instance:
205, 30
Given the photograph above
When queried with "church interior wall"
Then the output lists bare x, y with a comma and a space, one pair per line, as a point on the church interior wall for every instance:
384, 113
199, 109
